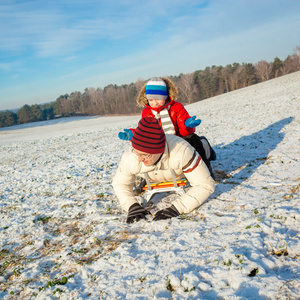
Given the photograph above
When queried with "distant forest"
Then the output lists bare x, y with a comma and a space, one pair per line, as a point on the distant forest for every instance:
121, 100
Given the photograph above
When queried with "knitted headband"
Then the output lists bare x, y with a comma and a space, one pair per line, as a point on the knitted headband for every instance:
156, 88
149, 137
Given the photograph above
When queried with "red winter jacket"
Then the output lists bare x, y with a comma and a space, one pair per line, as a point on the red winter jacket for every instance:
178, 115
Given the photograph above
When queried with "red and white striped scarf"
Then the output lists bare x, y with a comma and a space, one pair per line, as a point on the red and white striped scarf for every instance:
166, 121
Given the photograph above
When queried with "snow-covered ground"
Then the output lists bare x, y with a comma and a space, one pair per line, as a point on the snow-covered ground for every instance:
63, 236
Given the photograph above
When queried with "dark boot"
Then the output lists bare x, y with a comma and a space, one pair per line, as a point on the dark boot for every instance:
202, 146
210, 170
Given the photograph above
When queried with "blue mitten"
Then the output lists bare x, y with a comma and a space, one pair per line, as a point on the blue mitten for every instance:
192, 122
127, 135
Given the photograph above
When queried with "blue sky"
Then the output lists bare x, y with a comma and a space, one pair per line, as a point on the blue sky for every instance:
52, 48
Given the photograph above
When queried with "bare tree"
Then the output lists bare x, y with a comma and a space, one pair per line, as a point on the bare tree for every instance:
297, 54
235, 77
112, 98
96, 104
263, 70
287, 66
139, 83
75, 101
225, 79
187, 87
100, 101
63, 102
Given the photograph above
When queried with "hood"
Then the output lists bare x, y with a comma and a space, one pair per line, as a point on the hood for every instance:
172, 91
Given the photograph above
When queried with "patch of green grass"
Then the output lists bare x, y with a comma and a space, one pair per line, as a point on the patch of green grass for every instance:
227, 263
43, 219
169, 286
62, 281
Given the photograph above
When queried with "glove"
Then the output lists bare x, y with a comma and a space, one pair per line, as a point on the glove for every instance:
136, 212
192, 122
166, 213
127, 135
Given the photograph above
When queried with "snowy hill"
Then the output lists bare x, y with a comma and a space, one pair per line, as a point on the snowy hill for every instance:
63, 235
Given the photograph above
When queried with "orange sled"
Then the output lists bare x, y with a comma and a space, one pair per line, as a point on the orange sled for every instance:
159, 185
162, 187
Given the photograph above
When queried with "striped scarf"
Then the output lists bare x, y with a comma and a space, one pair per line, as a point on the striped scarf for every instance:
166, 121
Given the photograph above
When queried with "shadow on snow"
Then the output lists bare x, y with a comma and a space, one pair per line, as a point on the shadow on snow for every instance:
243, 156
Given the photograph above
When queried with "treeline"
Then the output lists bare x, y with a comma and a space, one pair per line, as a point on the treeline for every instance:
27, 114
193, 87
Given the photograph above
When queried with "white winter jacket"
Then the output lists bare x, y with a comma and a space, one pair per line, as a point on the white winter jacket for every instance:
180, 156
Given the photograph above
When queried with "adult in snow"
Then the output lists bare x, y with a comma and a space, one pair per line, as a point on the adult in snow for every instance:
156, 154
158, 97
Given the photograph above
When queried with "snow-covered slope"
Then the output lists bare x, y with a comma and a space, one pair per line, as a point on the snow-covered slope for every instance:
63, 235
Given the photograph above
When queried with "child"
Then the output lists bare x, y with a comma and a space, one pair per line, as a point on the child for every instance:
158, 96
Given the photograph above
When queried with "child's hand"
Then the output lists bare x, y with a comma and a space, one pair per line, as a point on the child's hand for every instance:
192, 122
127, 135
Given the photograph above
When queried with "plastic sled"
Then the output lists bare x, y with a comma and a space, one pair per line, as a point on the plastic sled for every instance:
163, 187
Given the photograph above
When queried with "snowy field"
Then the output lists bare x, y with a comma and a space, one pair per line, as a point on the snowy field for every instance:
63, 236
